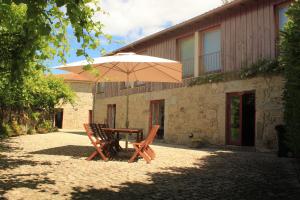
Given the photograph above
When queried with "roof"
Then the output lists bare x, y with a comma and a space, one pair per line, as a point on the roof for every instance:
73, 77
191, 21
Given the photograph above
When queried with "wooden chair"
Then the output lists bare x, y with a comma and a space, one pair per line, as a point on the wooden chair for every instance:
109, 138
99, 144
143, 149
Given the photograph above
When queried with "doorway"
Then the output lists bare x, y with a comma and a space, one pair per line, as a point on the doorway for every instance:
111, 115
90, 116
157, 116
240, 119
58, 118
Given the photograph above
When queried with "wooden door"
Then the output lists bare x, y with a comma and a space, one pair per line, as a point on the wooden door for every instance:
240, 119
234, 119
157, 116
111, 115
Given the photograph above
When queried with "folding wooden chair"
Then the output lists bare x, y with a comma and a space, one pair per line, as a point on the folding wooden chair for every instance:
109, 138
99, 144
143, 149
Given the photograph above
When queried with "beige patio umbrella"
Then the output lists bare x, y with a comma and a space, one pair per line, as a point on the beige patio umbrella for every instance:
128, 67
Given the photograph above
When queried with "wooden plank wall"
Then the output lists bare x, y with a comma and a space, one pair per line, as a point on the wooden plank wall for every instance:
248, 34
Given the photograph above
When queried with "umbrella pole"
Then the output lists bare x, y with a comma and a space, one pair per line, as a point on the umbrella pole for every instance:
94, 101
127, 103
127, 109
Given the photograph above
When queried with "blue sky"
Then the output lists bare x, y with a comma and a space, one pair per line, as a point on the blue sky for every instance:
130, 20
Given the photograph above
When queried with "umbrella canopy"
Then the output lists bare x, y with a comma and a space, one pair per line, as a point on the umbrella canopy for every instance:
129, 67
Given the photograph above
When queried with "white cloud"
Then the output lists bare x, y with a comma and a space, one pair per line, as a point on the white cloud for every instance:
134, 19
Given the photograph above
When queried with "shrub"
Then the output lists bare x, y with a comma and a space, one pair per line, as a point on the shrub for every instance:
44, 127
31, 131
6, 130
17, 129
290, 60
261, 67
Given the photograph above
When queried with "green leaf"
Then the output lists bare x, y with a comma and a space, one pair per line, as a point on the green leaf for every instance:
80, 52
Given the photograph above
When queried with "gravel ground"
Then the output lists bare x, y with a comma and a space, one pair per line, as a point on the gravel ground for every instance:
53, 166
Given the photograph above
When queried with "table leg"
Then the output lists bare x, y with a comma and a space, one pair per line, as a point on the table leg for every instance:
126, 141
119, 148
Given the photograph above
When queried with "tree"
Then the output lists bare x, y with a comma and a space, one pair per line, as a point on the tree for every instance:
41, 33
226, 1
290, 60
30, 33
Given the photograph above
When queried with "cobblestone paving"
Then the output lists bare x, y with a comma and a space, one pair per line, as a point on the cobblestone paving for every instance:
53, 166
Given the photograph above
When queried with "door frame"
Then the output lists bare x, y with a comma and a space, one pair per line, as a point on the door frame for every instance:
109, 108
61, 110
91, 116
228, 118
150, 116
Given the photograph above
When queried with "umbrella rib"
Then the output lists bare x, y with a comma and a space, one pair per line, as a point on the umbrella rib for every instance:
159, 65
134, 67
166, 74
109, 69
167, 67
143, 68
114, 66
135, 76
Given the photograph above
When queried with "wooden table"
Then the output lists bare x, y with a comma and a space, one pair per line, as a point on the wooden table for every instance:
126, 131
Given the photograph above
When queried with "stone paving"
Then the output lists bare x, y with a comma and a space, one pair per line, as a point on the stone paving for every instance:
53, 166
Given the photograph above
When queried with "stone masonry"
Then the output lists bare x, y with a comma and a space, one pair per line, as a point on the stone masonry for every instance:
201, 110
74, 117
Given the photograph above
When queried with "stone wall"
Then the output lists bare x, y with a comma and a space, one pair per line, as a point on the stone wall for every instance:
201, 110
74, 117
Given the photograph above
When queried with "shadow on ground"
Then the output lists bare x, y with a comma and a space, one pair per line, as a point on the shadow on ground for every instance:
74, 151
10, 181
223, 175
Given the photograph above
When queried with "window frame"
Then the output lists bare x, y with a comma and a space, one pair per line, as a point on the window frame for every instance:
201, 49
100, 88
178, 50
277, 7
277, 28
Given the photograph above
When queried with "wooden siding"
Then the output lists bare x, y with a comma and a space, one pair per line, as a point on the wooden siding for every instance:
248, 34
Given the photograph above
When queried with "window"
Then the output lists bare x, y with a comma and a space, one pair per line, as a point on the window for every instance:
111, 115
100, 88
139, 83
125, 85
186, 53
281, 16
211, 53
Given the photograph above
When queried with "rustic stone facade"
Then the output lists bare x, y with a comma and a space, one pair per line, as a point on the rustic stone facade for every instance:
201, 110
74, 117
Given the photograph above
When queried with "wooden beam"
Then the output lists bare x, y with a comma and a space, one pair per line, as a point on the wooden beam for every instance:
196, 54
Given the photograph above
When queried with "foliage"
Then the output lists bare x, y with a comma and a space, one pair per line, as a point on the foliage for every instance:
6, 130
16, 128
33, 31
290, 61
210, 78
260, 68
30, 33
45, 126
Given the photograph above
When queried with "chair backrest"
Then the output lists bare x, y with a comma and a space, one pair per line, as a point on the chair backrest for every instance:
104, 135
151, 135
91, 134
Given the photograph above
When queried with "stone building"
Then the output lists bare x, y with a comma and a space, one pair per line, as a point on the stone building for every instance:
72, 117
219, 43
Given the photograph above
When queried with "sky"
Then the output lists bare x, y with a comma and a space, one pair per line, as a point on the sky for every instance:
129, 20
